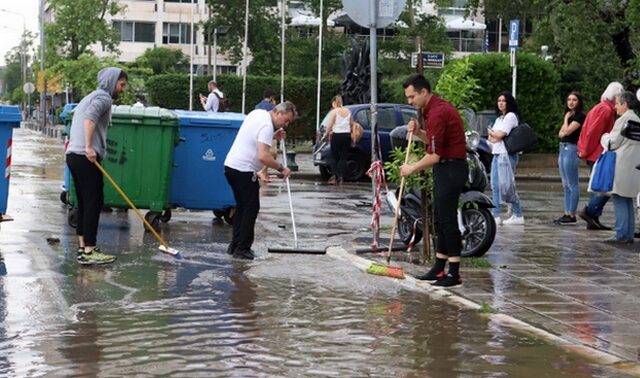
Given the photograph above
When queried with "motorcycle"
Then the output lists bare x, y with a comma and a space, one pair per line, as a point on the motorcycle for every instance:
475, 221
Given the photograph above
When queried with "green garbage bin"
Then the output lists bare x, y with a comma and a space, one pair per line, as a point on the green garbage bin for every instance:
140, 145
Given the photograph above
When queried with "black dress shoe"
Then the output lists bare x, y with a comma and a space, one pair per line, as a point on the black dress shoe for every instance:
636, 235
591, 222
246, 255
616, 241
601, 226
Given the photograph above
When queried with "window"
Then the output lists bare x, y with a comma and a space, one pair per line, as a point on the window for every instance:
407, 115
131, 31
180, 1
386, 118
176, 33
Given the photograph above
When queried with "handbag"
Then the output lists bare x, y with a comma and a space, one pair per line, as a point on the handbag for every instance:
603, 173
356, 132
631, 130
521, 138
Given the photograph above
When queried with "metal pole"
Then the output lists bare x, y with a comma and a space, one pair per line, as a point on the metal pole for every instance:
514, 74
373, 15
244, 55
42, 64
191, 63
282, 36
318, 90
500, 34
215, 52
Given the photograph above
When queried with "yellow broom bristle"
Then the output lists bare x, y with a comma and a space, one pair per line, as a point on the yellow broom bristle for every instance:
387, 271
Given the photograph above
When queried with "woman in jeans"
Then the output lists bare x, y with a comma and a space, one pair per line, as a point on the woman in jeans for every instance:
508, 118
568, 160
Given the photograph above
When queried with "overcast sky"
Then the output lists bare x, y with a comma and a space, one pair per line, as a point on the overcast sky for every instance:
13, 14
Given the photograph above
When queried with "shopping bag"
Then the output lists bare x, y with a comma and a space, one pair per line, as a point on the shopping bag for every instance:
603, 173
506, 180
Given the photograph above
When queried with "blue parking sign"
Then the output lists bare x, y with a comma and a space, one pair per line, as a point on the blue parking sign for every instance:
514, 31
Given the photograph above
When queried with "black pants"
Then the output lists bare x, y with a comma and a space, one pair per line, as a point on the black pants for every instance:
340, 145
246, 190
449, 178
88, 183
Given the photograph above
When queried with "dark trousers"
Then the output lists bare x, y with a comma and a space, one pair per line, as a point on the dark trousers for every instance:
340, 145
88, 183
449, 178
246, 191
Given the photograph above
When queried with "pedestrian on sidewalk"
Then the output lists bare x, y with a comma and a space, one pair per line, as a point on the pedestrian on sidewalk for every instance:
211, 102
626, 179
248, 154
568, 160
508, 118
339, 133
599, 121
446, 153
88, 145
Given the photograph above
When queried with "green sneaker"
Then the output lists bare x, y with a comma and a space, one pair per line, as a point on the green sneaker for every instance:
95, 258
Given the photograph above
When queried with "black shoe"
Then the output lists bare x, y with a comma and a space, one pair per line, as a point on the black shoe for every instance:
616, 241
448, 281
231, 249
636, 235
601, 226
591, 222
565, 220
246, 255
430, 276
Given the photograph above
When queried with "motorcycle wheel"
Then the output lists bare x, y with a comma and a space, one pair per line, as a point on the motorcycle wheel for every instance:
480, 230
405, 231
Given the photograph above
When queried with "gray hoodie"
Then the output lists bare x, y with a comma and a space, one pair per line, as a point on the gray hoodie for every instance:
96, 106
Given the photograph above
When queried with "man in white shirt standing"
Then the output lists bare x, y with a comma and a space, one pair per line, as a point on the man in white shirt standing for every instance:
248, 154
211, 103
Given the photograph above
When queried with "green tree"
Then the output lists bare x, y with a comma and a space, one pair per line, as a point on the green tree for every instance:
77, 25
163, 60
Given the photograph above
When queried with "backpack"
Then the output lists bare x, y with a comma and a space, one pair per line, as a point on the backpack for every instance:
223, 103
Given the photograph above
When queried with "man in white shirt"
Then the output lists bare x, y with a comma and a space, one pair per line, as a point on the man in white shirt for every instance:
248, 154
211, 103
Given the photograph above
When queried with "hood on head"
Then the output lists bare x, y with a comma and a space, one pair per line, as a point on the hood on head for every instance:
107, 79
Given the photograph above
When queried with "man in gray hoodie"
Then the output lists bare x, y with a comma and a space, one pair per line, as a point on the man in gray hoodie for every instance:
87, 145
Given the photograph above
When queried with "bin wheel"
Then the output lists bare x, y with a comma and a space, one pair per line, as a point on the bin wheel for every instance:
228, 215
166, 216
153, 218
72, 217
64, 197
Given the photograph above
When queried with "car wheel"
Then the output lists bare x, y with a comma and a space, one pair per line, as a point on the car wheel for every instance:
356, 167
325, 172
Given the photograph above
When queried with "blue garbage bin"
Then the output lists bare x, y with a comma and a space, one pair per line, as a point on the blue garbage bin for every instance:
198, 181
9, 119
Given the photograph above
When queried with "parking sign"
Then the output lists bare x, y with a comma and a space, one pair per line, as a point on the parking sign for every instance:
514, 31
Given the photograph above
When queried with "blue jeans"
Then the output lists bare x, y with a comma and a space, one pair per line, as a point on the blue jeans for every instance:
596, 202
568, 163
625, 217
495, 187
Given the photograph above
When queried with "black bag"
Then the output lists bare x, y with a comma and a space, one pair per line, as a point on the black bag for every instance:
521, 138
223, 103
631, 130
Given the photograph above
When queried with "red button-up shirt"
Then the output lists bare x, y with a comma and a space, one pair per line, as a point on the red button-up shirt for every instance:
445, 130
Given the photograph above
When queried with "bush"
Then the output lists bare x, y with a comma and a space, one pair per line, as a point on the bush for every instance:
537, 92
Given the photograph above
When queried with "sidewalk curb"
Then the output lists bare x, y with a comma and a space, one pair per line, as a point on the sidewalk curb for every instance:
451, 296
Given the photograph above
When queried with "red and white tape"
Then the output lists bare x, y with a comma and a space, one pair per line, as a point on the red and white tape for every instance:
7, 163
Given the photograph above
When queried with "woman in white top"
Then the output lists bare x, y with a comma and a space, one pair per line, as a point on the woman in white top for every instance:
508, 118
339, 133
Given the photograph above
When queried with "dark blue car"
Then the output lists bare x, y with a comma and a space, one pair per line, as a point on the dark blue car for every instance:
389, 117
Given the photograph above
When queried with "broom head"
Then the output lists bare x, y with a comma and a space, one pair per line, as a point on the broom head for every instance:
386, 270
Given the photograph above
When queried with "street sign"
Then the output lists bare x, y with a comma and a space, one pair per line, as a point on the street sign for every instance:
28, 88
514, 32
359, 11
429, 59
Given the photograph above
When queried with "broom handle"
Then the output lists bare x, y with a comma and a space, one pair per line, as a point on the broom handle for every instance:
397, 210
293, 219
149, 226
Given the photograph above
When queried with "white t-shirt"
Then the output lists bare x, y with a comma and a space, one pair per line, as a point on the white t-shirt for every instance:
503, 123
257, 127
342, 124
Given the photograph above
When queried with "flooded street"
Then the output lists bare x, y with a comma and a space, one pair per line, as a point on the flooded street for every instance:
210, 315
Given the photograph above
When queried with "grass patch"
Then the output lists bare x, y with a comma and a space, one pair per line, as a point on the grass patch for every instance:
486, 308
476, 262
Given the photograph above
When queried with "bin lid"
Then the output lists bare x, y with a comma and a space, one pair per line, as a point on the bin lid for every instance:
10, 114
152, 115
209, 119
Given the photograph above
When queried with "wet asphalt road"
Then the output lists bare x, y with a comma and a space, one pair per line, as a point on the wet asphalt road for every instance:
292, 314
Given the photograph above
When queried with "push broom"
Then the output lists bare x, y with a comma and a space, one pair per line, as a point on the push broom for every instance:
293, 220
164, 247
390, 270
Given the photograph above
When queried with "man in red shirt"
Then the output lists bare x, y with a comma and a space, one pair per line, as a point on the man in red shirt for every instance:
600, 120
446, 153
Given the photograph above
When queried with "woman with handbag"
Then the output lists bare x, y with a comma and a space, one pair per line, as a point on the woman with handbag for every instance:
568, 160
626, 179
339, 133
508, 118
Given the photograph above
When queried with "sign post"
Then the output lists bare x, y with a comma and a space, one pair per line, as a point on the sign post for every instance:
514, 30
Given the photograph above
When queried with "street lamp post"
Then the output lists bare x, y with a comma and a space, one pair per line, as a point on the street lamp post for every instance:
219, 30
